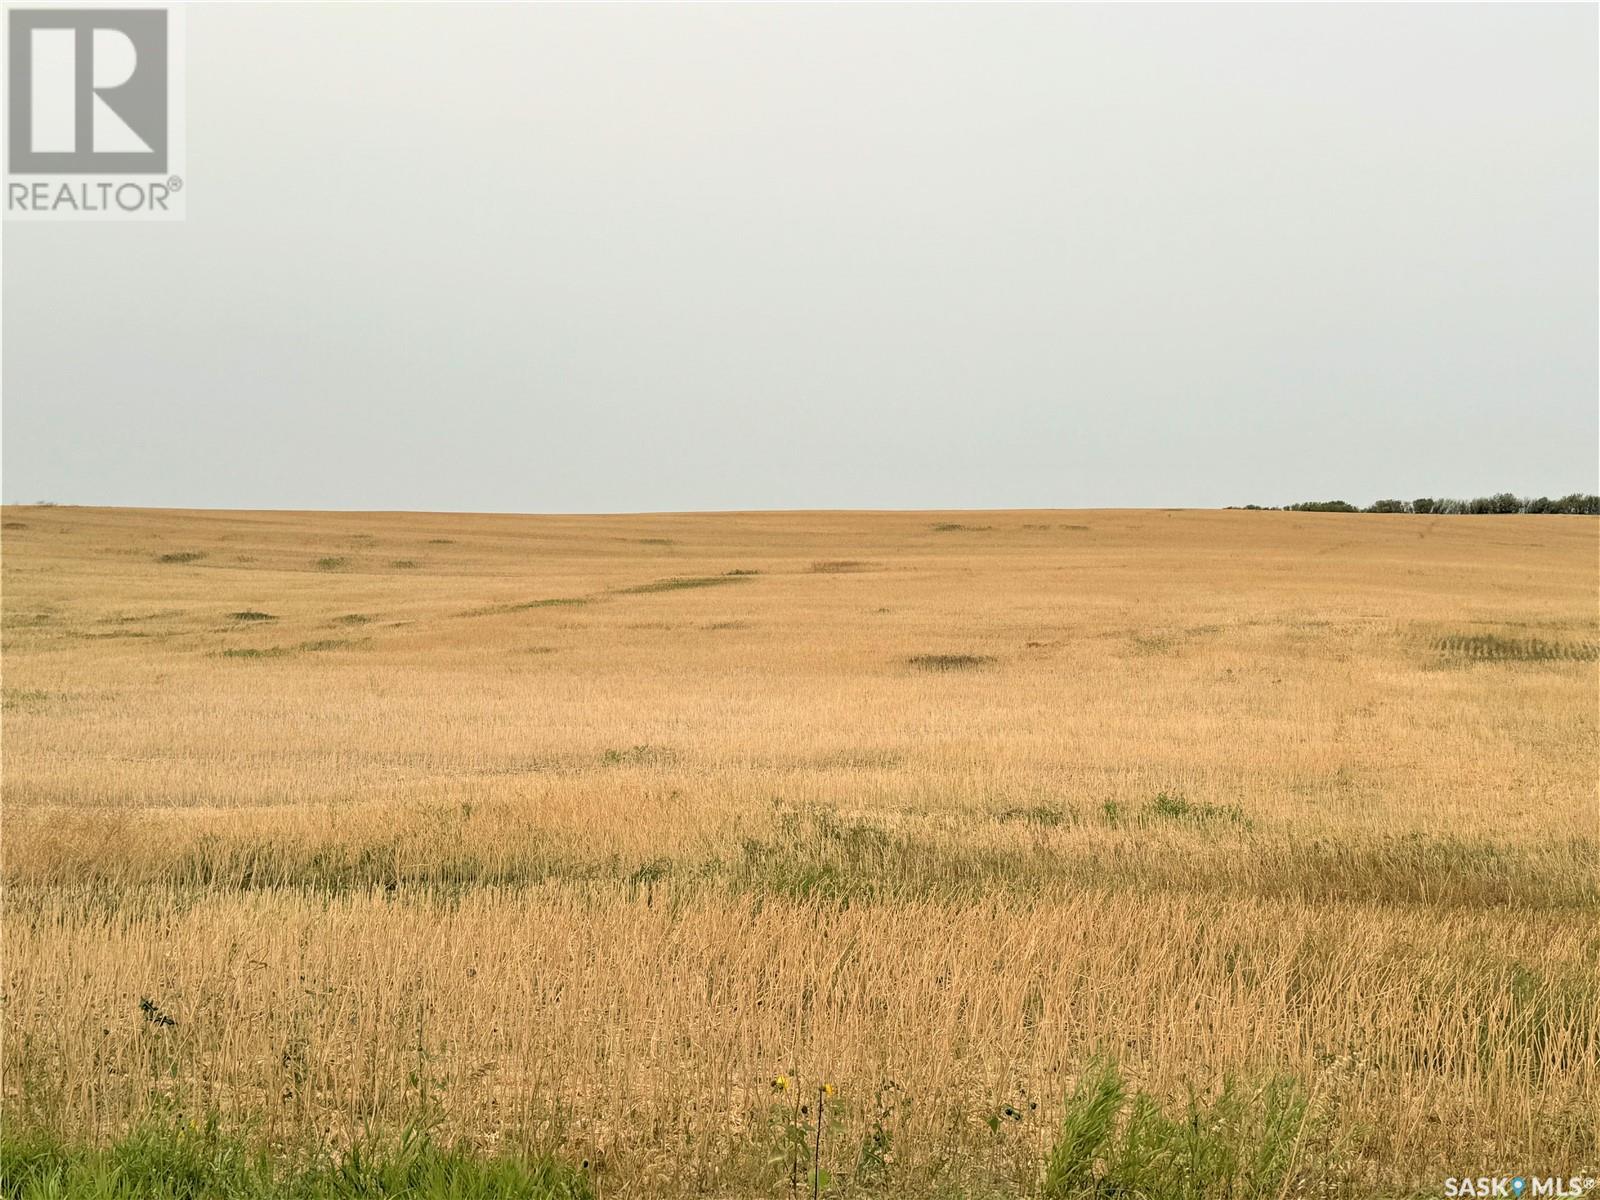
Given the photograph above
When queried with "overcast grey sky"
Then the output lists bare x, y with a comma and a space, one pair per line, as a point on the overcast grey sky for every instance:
641, 258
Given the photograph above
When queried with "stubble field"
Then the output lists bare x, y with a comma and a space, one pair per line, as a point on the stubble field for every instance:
571, 834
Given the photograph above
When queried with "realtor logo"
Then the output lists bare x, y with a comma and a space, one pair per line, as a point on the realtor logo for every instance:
94, 108
88, 91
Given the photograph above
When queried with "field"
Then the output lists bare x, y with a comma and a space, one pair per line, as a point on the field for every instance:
570, 836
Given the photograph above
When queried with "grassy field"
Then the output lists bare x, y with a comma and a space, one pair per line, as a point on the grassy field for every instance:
1073, 851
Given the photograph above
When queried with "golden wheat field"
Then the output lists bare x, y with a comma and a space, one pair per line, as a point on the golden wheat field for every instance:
581, 830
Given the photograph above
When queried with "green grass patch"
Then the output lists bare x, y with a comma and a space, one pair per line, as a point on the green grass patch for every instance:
313, 647
496, 610
681, 583
949, 662
176, 1159
1044, 816
181, 556
1246, 1143
1493, 648
332, 562
1171, 808
638, 756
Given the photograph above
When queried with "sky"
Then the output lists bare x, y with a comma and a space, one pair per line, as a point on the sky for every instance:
663, 258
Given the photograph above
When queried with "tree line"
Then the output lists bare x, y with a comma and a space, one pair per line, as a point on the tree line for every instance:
1503, 502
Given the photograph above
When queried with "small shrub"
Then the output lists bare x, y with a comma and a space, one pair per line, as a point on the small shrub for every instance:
250, 614
333, 562
405, 564
836, 566
181, 556
1172, 808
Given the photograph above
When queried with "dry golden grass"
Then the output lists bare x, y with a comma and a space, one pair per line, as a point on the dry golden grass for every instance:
587, 826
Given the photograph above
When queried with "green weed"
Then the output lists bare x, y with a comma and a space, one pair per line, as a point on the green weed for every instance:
1246, 1143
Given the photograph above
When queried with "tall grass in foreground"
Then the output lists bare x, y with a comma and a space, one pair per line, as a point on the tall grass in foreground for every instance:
1246, 1144
183, 1160
1242, 1144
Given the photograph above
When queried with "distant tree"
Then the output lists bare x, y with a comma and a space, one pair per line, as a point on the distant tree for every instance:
1579, 503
